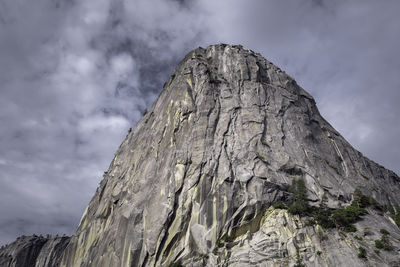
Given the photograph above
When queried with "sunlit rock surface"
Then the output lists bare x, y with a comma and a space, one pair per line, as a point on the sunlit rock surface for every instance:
193, 183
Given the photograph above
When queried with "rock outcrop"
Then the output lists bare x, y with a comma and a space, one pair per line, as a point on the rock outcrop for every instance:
37, 251
194, 182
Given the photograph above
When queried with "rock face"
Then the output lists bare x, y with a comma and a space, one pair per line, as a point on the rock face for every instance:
33, 251
194, 182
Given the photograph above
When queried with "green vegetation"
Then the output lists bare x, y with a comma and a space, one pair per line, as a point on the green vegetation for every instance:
299, 261
358, 238
176, 264
219, 243
319, 253
227, 238
320, 233
362, 201
345, 217
396, 219
214, 80
395, 214
384, 242
297, 208
279, 205
384, 232
341, 218
322, 214
310, 222
378, 244
362, 253
299, 191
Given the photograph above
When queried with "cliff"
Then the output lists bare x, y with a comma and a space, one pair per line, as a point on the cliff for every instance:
36, 251
234, 166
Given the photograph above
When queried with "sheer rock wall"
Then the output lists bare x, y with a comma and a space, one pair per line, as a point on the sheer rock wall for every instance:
223, 141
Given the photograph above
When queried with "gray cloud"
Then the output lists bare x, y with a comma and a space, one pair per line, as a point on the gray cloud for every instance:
75, 75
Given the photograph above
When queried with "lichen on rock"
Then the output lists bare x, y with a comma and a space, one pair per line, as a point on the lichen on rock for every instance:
194, 182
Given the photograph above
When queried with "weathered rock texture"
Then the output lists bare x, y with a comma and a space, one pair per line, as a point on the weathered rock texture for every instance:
194, 181
33, 251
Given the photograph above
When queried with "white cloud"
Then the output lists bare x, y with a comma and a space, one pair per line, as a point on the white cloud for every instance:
89, 126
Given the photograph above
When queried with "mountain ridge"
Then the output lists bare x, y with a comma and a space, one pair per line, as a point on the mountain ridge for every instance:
195, 181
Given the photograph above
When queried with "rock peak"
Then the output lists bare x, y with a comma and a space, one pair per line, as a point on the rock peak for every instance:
233, 63
195, 182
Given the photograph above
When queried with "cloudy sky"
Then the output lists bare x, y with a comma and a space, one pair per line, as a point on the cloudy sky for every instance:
76, 75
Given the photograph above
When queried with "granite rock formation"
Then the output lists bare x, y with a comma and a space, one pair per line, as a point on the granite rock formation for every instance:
35, 251
193, 184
